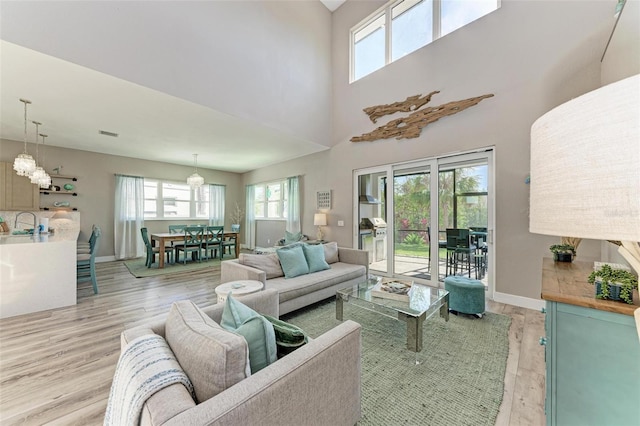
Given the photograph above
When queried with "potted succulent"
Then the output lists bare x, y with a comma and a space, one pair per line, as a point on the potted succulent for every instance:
613, 284
563, 252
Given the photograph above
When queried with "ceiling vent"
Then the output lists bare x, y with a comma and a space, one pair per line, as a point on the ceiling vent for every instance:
104, 132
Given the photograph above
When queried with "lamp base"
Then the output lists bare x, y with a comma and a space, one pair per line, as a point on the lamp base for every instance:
319, 234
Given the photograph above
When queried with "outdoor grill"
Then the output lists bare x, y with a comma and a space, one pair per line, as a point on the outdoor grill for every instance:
378, 228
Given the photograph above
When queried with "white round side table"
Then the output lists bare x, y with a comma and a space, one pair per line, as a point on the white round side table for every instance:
237, 288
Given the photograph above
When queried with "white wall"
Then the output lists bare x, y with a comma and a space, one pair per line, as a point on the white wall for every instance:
267, 61
533, 55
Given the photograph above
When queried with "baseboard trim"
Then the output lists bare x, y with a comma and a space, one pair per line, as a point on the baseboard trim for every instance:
523, 302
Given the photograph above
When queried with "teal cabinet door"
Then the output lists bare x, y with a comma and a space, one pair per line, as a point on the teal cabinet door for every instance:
593, 367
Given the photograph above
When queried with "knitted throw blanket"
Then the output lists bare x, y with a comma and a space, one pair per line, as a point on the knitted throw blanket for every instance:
146, 366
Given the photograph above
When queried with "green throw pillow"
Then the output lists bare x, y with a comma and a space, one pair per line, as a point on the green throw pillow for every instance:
257, 331
290, 237
287, 334
315, 257
292, 261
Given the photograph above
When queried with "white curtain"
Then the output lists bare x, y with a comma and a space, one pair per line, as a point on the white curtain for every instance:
293, 207
250, 219
216, 205
128, 217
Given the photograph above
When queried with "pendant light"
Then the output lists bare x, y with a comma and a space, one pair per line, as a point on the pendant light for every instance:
24, 164
45, 180
39, 172
195, 180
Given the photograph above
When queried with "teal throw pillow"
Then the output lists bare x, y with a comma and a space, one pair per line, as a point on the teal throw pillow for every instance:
256, 330
314, 253
292, 261
290, 238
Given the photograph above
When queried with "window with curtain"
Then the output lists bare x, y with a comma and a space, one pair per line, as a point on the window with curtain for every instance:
216, 206
128, 217
176, 200
271, 200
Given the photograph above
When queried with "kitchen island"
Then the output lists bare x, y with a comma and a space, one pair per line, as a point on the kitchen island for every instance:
37, 273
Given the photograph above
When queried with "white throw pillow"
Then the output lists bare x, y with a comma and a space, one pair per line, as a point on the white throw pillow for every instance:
269, 263
331, 252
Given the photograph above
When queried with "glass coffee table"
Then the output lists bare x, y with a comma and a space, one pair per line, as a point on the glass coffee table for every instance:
423, 302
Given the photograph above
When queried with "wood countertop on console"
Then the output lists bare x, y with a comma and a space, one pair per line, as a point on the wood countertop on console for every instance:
566, 282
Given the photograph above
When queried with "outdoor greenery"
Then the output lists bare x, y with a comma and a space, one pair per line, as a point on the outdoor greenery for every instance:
413, 203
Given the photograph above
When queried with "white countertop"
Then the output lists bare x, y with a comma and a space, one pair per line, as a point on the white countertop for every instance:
58, 236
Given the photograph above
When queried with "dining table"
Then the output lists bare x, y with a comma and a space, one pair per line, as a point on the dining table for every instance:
161, 238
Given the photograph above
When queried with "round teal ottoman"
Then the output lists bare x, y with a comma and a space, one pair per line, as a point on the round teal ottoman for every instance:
465, 295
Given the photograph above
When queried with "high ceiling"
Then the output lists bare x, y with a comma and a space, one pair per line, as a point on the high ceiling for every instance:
74, 103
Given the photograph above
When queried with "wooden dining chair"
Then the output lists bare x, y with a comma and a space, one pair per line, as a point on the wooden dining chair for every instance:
193, 240
152, 251
229, 243
86, 262
213, 239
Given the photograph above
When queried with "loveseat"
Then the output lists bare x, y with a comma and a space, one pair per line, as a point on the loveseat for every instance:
318, 384
347, 267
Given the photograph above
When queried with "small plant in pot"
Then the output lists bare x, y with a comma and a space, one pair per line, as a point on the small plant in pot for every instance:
563, 252
614, 284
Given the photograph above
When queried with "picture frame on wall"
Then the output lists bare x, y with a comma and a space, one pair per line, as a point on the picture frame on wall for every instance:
324, 200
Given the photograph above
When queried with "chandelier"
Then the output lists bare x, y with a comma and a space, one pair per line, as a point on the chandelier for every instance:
195, 180
24, 164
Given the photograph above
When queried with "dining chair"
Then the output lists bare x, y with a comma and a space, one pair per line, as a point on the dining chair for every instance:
213, 240
85, 247
229, 243
193, 240
86, 262
176, 229
152, 251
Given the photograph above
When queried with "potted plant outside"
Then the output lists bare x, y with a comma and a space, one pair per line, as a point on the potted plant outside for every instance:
563, 252
613, 284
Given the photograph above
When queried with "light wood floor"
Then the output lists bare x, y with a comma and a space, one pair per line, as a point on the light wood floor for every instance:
56, 366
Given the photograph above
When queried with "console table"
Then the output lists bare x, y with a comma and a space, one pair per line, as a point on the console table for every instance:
592, 351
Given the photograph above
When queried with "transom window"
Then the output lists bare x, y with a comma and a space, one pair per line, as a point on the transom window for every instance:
271, 200
173, 200
403, 26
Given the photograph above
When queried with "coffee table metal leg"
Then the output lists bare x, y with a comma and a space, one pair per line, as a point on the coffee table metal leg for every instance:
444, 309
414, 330
339, 307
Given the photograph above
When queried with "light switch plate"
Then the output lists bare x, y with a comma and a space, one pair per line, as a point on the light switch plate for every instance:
341, 223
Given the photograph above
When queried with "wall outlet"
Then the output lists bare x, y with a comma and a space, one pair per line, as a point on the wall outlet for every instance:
341, 223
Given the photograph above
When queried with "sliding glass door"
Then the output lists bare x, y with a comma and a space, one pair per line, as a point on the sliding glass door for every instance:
409, 208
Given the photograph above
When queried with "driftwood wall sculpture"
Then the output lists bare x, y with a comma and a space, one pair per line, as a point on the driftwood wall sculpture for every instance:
410, 126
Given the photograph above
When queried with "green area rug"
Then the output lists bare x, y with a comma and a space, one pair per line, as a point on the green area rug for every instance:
460, 378
139, 270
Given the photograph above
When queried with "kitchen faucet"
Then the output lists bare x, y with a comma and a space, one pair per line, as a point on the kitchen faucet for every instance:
15, 226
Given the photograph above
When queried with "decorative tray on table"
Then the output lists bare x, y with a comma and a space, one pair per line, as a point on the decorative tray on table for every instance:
389, 288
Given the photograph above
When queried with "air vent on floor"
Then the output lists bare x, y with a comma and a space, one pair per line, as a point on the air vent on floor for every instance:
104, 132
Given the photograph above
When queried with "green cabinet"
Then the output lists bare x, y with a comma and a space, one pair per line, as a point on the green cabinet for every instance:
592, 365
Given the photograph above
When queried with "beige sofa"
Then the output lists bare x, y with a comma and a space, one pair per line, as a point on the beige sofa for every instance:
318, 384
350, 267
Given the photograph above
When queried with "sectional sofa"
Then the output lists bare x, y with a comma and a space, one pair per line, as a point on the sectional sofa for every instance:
347, 267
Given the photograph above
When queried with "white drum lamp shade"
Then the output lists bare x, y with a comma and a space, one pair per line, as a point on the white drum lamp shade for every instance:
585, 166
